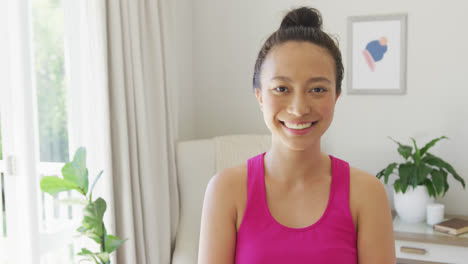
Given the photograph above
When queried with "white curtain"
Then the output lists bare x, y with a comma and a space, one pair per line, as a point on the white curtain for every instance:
124, 78
88, 98
142, 90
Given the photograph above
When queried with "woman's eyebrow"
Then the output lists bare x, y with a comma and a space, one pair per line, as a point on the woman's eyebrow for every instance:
311, 80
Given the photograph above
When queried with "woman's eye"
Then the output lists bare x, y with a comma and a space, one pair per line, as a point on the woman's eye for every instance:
281, 89
318, 90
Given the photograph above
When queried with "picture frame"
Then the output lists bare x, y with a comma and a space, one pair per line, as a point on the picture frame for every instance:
377, 54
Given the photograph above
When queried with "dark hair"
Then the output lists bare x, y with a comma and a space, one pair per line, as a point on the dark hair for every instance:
301, 24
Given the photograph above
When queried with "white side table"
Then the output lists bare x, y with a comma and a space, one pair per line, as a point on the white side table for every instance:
419, 243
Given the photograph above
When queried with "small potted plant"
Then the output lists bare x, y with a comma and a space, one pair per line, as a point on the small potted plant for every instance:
75, 177
421, 178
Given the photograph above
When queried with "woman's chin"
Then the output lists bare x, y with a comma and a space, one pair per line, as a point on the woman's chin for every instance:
298, 143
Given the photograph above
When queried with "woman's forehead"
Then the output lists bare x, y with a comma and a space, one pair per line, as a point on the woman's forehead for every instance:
293, 59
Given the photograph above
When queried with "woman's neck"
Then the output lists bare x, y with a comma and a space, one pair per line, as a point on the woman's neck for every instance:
296, 166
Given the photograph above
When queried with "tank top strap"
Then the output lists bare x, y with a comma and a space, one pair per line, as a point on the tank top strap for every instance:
254, 209
255, 170
341, 182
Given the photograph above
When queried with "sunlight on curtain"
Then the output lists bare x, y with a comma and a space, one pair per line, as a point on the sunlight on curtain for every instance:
88, 103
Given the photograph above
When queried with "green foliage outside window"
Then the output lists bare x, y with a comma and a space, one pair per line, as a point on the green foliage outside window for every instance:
48, 28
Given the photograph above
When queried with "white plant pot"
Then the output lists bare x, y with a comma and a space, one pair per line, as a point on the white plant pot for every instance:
411, 205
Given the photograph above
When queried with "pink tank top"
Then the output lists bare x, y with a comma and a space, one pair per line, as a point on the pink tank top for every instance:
262, 240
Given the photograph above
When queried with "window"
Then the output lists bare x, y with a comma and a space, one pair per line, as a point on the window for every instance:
48, 26
49, 70
3, 232
34, 138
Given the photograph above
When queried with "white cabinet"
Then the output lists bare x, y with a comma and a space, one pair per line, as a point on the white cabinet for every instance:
431, 252
419, 243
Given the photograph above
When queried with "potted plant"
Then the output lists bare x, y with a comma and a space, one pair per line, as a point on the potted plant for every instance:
421, 178
75, 177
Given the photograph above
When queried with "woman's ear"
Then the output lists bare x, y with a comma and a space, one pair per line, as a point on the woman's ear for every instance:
258, 94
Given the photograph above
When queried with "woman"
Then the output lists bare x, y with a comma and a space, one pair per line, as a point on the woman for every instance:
295, 204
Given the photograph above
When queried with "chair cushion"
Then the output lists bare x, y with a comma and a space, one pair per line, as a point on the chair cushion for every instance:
198, 161
195, 167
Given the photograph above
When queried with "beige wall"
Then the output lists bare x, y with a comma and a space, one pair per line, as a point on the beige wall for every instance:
228, 34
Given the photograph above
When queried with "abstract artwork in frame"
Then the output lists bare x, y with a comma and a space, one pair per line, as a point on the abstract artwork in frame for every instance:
377, 54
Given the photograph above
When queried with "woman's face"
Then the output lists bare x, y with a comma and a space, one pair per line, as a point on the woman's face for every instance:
298, 93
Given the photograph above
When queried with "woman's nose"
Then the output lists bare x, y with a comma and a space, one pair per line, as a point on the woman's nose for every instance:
299, 106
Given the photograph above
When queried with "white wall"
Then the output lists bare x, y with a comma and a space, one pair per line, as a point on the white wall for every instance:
227, 36
183, 28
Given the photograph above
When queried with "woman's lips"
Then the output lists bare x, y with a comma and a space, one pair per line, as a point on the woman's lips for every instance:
297, 130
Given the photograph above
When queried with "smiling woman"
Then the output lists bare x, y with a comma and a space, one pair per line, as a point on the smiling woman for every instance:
298, 88
294, 203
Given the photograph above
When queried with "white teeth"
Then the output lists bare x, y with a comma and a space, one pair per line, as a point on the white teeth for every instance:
297, 126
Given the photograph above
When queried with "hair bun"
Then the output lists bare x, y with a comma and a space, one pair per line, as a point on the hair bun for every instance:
303, 16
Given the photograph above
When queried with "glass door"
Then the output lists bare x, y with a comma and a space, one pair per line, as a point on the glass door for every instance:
34, 141
3, 233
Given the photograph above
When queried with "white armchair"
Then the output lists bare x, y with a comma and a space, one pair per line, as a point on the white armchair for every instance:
197, 161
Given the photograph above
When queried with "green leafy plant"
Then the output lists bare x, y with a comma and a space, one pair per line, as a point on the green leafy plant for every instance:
75, 177
420, 168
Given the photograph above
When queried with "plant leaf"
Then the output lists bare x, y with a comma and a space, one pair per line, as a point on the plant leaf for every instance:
92, 217
396, 185
431, 144
423, 171
88, 254
438, 162
438, 181
445, 181
404, 150
89, 233
387, 171
430, 188
413, 178
103, 257
112, 243
417, 153
76, 171
405, 171
53, 185
93, 236
85, 252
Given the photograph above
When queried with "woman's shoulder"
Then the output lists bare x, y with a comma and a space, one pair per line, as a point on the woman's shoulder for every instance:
363, 179
373, 217
364, 185
229, 186
366, 192
219, 216
230, 177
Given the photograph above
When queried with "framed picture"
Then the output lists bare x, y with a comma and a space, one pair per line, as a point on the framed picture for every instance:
377, 54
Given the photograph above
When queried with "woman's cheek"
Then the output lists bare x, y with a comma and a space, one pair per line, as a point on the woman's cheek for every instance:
271, 105
325, 109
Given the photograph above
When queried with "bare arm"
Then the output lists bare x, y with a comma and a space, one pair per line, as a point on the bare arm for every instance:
375, 228
218, 225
